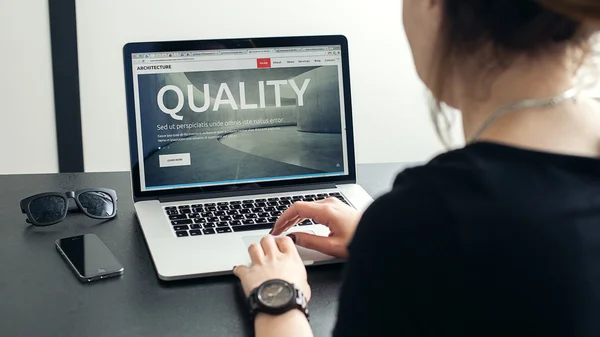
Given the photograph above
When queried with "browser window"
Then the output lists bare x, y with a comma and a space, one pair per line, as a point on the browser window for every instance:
223, 116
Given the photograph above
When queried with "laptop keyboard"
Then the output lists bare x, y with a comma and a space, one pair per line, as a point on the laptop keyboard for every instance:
235, 216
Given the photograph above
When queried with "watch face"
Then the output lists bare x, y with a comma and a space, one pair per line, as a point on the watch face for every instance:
276, 294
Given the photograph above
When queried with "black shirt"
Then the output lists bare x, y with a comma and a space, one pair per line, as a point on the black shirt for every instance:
484, 241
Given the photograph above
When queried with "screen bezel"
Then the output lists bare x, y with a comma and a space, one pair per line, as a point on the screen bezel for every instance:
237, 43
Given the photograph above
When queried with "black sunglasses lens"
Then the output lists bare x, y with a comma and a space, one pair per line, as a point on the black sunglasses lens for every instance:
97, 203
48, 209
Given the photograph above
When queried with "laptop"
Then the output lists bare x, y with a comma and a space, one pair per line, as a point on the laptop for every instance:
226, 134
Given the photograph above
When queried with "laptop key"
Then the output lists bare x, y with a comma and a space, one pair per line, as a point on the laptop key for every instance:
235, 202
219, 213
170, 208
307, 199
306, 222
211, 208
285, 202
209, 225
195, 226
272, 219
181, 222
253, 227
251, 216
208, 231
257, 210
285, 198
260, 200
210, 204
223, 208
197, 205
199, 220
248, 201
183, 206
245, 211
222, 204
261, 220
224, 230
238, 217
224, 218
223, 224
269, 209
181, 228
236, 223
248, 222
322, 195
276, 213
181, 234
213, 219
335, 194
236, 206
261, 204
185, 211
195, 232
273, 203
232, 212
177, 217
206, 214
198, 209
173, 212
263, 215
248, 206
282, 208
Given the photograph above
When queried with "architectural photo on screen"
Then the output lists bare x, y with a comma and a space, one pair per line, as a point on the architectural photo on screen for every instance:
240, 125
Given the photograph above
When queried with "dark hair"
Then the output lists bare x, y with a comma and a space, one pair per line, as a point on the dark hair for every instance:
498, 30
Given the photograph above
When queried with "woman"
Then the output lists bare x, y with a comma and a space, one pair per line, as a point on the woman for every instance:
499, 238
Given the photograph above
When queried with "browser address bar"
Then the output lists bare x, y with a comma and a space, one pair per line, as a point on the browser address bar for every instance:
238, 57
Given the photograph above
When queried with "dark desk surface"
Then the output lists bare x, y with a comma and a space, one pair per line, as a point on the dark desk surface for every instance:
40, 296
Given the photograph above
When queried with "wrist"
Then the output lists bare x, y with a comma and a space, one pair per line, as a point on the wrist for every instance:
263, 319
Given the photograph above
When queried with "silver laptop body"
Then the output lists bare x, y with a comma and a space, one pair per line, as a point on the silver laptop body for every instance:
226, 134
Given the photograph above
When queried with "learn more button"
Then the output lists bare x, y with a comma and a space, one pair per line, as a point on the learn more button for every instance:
172, 160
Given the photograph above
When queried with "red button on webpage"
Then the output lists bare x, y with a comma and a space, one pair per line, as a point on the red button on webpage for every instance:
263, 63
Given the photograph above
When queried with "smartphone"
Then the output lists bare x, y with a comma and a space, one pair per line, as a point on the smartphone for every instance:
89, 257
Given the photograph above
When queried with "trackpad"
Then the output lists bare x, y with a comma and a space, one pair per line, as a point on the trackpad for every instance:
309, 256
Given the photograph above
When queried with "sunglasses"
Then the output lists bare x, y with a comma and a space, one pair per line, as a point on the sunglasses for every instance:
47, 209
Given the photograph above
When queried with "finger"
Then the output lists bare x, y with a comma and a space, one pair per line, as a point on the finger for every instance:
321, 244
286, 245
257, 254
269, 246
240, 271
320, 212
287, 219
329, 200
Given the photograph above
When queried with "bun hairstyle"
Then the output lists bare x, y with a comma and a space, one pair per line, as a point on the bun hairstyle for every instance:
492, 32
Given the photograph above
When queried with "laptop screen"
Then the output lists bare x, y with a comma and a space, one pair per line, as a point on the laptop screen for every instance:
239, 116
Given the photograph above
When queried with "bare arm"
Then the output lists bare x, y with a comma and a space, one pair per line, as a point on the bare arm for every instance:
290, 324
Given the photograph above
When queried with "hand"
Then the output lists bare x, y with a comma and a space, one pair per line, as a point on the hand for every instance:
273, 259
341, 219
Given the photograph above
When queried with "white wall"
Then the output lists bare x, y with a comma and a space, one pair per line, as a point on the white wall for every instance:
28, 131
392, 123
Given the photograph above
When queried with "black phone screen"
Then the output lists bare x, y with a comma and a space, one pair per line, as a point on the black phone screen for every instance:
89, 256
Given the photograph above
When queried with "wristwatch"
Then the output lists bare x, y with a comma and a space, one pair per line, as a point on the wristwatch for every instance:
276, 297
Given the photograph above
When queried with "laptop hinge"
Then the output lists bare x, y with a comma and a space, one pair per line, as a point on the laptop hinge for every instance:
238, 193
